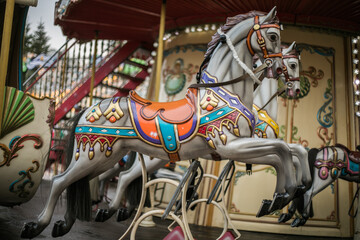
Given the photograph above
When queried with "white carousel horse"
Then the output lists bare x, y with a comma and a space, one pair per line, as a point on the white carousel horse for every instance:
111, 128
24, 142
327, 164
266, 127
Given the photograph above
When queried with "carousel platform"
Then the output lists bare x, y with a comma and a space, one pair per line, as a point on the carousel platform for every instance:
12, 220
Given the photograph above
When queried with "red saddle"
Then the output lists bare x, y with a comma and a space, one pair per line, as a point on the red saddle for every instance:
172, 112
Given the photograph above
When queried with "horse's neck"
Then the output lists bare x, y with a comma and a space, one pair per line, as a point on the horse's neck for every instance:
225, 68
263, 93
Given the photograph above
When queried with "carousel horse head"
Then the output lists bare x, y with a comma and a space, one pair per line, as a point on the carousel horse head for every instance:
242, 37
291, 70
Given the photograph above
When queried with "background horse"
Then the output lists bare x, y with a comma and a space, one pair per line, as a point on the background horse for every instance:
327, 164
106, 131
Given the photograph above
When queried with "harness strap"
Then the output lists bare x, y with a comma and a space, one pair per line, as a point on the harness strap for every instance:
260, 39
236, 80
278, 92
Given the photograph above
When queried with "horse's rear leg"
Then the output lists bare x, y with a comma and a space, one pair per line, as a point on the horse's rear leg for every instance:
58, 185
125, 178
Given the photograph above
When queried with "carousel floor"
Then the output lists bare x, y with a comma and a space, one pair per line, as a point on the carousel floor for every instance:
12, 220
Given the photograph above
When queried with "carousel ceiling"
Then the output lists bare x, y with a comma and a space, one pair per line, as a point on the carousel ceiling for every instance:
139, 19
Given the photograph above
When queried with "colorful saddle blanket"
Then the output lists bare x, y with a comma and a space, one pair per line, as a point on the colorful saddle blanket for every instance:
165, 124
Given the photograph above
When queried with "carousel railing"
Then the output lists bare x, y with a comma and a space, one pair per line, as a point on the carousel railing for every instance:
71, 63
69, 68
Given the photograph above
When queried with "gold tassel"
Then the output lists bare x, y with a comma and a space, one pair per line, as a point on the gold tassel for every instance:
211, 143
108, 153
77, 155
91, 155
223, 138
236, 131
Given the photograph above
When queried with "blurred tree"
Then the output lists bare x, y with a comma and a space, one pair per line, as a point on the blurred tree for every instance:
40, 40
28, 40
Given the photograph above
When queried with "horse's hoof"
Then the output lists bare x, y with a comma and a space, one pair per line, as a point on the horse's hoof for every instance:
284, 217
278, 202
59, 229
296, 222
300, 191
123, 214
30, 230
102, 215
264, 208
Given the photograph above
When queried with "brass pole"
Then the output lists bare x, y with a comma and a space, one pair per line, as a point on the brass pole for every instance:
4, 58
159, 56
93, 69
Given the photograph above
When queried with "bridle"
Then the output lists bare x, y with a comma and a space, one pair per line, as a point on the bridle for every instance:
288, 80
224, 38
261, 40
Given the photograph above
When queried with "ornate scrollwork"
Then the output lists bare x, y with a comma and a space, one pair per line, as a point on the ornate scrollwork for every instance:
15, 145
19, 186
323, 134
314, 74
324, 115
303, 142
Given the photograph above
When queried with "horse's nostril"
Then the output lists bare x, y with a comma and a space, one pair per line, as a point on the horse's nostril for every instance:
297, 91
278, 70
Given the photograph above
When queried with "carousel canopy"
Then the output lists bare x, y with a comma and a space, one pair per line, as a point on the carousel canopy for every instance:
139, 19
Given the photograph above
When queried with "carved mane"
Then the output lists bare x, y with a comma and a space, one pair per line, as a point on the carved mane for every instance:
230, 23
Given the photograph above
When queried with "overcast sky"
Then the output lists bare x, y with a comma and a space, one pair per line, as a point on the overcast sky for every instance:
45, 12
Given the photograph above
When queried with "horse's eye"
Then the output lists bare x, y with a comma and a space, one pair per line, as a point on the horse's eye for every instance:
293, 66
273, 37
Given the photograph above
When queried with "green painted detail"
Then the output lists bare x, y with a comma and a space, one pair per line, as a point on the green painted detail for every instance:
304, 88
271, 170
282, 132
19, 111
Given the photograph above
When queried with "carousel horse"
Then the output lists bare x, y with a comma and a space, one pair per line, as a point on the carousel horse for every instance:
327, 164
223, 124
266, 127
25, 136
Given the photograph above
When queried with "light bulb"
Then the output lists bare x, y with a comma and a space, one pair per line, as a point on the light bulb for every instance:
213, 27
357, 103
156, 44
357, 114
187, 30
153, 53
357, 92
355, 51
192, 29
355, 61
357, 81
356, 71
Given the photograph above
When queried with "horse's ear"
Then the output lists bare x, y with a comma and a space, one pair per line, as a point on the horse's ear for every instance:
289, 49
270, 16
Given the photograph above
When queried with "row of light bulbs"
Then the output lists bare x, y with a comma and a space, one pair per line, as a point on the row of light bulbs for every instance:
356, 71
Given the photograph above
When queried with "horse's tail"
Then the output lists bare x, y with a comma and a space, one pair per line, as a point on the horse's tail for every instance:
78, 193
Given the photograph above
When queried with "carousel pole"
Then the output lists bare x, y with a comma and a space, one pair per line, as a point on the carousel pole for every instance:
4, 57
93, 68
159, 55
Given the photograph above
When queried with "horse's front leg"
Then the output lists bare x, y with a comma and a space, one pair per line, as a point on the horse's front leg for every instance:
270, 152
301, 154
